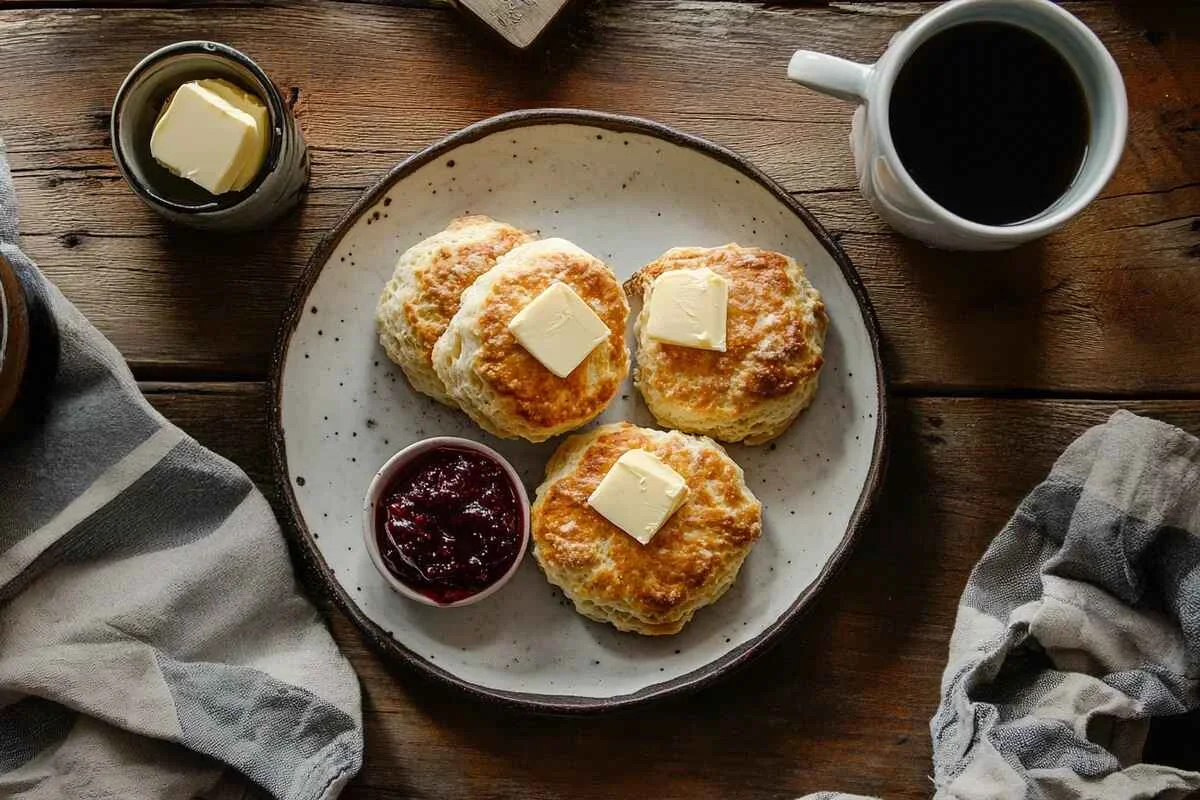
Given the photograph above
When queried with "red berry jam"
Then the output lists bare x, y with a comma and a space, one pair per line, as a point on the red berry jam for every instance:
449, 524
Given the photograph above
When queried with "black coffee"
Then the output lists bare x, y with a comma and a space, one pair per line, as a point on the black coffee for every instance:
990, 121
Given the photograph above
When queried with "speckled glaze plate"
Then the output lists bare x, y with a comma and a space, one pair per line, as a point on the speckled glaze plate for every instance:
626, 190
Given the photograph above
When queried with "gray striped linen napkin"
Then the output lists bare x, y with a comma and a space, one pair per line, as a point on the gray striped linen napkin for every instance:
1079, 625
153, 643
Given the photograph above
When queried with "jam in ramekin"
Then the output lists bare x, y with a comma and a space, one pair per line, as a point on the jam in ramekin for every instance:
449, 524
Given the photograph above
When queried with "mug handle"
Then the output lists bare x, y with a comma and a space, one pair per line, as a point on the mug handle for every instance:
830, 75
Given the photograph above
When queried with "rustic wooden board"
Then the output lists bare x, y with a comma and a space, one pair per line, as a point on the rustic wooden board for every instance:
1106, 306
842, 703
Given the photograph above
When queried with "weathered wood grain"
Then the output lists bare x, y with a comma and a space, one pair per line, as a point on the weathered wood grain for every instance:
842, 703
1108, 307
1105, 306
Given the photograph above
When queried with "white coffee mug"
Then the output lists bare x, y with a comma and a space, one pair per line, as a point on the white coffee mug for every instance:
883, 179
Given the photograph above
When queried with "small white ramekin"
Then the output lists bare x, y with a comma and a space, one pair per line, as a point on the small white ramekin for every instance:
398, 462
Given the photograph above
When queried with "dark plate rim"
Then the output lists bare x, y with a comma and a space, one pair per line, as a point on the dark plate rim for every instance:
314, 564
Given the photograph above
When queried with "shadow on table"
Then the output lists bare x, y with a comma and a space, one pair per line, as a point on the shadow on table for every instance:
987, 312
192, 275
536, 71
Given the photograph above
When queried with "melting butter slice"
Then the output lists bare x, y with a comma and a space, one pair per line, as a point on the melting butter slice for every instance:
558, 329
639, 494
213, 134
688, 308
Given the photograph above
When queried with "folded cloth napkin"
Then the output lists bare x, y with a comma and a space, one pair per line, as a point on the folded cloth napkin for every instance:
1079, 625
153, 643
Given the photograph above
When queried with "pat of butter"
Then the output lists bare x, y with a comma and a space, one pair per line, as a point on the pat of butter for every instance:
250, 104
688, 308
205, 136
558, 329
639, 494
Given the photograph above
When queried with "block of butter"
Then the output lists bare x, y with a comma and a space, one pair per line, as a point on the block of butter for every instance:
250, 104
212, 133
639, 494
688, 308
558, 329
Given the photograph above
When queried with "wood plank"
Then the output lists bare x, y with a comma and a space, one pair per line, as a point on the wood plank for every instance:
612, 59
1108, 303
181, 294
1107, 306
842, 703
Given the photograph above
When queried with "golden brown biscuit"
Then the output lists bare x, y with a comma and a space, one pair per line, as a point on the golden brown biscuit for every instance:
496, 380
775, 332
655, 588
423, 294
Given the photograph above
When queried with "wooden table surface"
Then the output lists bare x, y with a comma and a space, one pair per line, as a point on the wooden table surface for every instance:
997, 361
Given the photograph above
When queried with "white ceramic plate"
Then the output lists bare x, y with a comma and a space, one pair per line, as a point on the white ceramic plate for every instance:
625, 190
